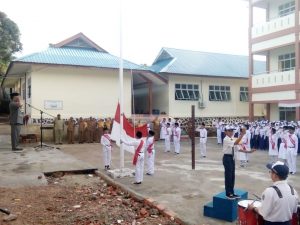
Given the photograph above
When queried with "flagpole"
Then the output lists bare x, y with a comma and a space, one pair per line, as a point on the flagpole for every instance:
121, 91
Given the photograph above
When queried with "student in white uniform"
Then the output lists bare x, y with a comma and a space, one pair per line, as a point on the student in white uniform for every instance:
273, 145
168, 138
138, 159
163, 127
203, 139
106, 148
229, 162
150, 153
243, 147
177, 136
283, 145
218, 125
292, 149
278, 202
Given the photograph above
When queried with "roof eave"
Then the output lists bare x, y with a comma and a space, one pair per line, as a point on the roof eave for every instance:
203, 75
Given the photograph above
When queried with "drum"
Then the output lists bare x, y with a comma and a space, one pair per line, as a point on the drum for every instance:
298, 213
248, 217
296, 217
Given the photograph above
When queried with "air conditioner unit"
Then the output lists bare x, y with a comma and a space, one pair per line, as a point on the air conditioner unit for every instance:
201, 105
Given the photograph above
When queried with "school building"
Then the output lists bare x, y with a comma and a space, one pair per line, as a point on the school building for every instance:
78, 78
276, 38
75, 77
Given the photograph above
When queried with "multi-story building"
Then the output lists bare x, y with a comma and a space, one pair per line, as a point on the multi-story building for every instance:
276, 38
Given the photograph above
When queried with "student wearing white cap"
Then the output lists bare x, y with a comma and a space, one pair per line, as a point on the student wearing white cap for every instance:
279, 201
228, 160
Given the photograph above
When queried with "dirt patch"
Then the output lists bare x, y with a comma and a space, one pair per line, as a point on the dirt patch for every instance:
76, 199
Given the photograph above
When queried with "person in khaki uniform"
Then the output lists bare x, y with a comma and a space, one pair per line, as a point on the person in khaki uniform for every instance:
81, 133
70, 130
95, 131
156, 128
100, 128
85, 125
58, 129
108, 124
90, 133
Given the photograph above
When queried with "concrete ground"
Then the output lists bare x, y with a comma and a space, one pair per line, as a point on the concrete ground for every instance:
175, 184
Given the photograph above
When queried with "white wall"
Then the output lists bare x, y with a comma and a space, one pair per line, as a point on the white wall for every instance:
213, 109
274, 96
280, 41
84, 91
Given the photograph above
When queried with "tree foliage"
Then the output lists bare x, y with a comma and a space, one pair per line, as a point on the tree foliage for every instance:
9, 41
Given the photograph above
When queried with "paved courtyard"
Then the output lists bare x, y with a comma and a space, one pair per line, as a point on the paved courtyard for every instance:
175, 184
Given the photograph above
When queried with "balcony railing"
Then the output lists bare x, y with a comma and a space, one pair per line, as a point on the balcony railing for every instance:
274, 25
273, 79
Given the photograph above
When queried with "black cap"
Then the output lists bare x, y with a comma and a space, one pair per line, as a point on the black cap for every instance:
139, 134
279, 168
291, 128
151, 132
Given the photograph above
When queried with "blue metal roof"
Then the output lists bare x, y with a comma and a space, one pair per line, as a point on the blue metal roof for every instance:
178, 61
78, 57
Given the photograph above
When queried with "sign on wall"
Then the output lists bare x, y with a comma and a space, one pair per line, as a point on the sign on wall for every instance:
53, 104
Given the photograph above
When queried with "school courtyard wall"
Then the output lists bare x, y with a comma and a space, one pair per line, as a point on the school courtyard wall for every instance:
84, 92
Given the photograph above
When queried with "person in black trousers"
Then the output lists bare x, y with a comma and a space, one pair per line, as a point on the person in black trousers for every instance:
228, 160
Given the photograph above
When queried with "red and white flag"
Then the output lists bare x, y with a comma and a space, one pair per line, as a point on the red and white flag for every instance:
128, 132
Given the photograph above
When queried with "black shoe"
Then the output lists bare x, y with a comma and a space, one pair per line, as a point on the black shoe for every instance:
236, 196
137, 182
230, 197
149, 174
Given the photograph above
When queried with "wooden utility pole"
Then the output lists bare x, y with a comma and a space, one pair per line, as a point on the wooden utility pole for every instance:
193, 136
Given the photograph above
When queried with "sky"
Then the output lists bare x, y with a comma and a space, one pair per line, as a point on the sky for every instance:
147, 25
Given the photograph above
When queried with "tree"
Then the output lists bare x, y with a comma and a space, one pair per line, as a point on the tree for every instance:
9, 41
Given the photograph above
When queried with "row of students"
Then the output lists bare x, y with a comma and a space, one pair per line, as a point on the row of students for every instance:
142, 148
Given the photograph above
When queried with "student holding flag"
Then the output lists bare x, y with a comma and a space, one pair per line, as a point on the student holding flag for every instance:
106, 147
138, 159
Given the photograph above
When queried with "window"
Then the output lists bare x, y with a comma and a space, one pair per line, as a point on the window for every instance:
219, 93
187, 92
286, 9
29, 87
244, 94
286, 62
287, 113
